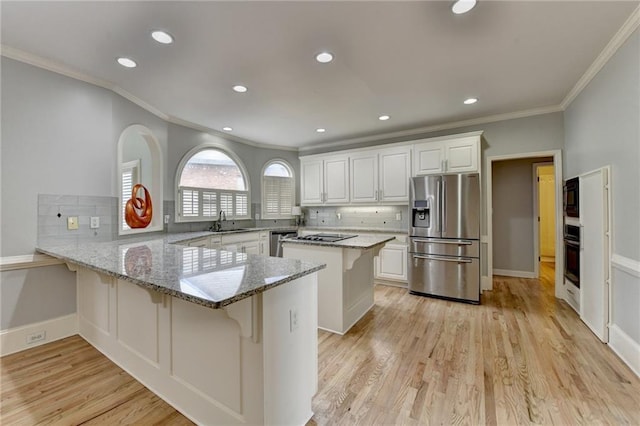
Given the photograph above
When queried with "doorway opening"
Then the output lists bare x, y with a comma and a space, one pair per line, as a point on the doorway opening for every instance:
513, 240
544, 227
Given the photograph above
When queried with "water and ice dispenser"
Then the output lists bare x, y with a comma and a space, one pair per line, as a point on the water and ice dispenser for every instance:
421, 213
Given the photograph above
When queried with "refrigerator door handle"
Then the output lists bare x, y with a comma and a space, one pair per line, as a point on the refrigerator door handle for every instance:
438, 207
457, 243
442, 258
444, 206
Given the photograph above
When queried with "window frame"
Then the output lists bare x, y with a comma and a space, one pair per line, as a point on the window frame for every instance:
289, 167
179, 218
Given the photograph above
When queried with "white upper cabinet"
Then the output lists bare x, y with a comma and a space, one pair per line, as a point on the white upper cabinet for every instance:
336, 180
395, 171
460, 155
381, 175
364, 177
324, 180
311, 181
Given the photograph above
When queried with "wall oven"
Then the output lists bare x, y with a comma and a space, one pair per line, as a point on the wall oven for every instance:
571, 197
572, 254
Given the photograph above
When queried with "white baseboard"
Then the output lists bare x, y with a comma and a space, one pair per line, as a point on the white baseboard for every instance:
517, 274
625, 347
15, 339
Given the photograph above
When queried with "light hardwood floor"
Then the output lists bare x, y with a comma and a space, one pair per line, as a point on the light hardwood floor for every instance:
521, 357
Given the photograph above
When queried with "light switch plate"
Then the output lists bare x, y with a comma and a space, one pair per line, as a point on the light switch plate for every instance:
72, 222
95, 222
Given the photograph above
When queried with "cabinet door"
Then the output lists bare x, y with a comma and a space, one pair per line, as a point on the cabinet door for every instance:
311, 181
462, 155
395, 171
364, 178
336, 180
393, 262
428, 158
251, 247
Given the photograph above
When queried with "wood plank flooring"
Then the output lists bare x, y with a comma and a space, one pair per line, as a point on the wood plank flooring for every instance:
521, 357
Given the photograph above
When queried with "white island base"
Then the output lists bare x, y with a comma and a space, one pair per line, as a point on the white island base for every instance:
345, 286
251, 362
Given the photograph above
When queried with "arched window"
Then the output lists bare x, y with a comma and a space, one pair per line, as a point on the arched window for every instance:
277, 190
210, 181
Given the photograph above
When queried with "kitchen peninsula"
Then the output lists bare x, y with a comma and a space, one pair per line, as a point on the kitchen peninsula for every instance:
345, 287
224, 337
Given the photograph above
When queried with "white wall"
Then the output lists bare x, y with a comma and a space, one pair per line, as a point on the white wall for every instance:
603, 128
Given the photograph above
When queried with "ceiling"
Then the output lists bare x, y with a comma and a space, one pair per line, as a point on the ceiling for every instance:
415, 61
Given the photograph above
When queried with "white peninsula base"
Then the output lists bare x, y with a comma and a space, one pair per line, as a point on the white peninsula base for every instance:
345, 286
251, 362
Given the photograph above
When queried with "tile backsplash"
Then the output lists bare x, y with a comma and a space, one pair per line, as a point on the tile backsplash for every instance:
53, 211
376, 217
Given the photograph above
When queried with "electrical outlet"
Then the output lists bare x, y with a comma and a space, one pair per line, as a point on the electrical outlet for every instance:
339, 215
293, 320
166, 218
36, 337
398, 216
257, 216
95, 222
72, 222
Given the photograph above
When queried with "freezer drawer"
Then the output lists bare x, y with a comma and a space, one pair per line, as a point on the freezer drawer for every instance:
447, 247
445, 276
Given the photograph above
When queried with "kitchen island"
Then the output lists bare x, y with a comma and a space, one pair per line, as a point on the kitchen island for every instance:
345, 287
224, 337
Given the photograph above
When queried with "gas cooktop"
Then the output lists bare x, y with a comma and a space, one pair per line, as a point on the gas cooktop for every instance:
325, 238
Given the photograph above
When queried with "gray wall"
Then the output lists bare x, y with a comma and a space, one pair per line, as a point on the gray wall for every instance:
513, 215
603, 128
60, 136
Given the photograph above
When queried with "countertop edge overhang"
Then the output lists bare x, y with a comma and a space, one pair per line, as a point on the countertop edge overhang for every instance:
167, 279
360, 242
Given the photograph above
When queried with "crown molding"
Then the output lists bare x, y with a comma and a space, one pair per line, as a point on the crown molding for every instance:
58, 68
429, 129
630, 25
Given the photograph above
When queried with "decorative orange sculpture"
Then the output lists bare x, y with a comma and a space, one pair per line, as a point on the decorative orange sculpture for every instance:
138, 212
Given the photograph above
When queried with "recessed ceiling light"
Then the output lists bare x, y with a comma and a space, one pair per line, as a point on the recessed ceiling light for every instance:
126, 62
463, 6
227, 129
384, 117
470, 101
324, 57
321, 130
162, 37
239, 88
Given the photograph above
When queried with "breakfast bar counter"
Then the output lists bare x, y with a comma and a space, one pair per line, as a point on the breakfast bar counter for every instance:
224, 337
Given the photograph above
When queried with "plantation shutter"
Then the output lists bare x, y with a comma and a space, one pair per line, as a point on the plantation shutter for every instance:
278, 196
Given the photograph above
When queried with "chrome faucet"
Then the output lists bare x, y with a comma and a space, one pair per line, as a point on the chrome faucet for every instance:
217, 225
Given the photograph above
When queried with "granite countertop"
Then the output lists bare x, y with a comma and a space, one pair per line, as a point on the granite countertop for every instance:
188, 236
363, 242
208, 277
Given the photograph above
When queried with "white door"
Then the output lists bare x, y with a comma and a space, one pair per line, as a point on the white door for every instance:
311, 182
462, 155
364, 178
428, 158
594, 294
395, 171
336, 180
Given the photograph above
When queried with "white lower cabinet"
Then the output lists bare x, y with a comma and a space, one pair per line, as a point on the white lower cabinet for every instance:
391, 262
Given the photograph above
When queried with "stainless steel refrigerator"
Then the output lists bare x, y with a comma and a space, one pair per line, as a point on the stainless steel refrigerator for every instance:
444, 231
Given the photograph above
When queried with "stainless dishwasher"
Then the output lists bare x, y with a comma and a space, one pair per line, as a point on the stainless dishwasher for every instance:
275, 248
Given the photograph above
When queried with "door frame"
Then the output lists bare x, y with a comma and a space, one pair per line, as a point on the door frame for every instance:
557, 161
536, 212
